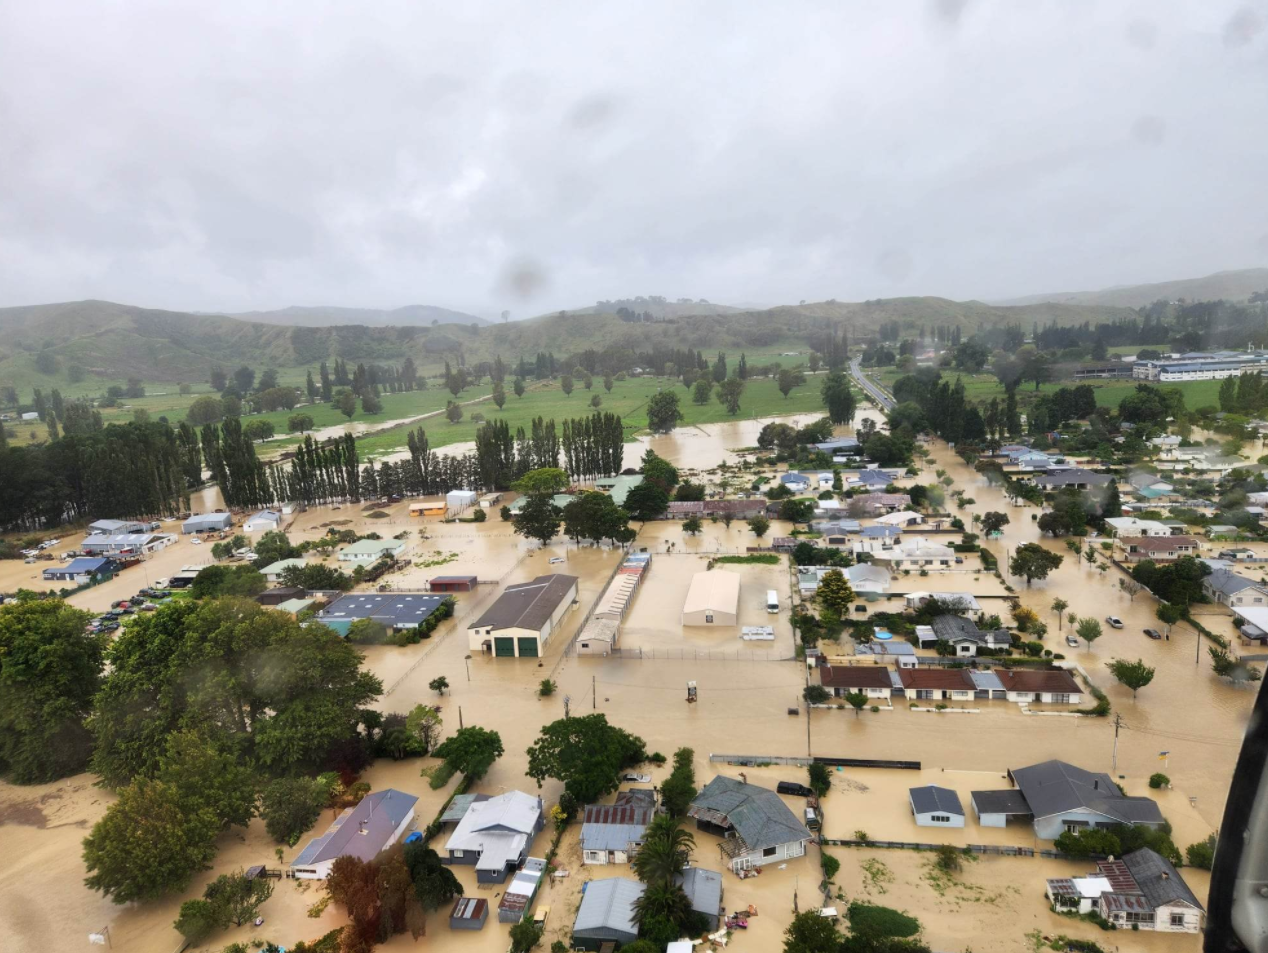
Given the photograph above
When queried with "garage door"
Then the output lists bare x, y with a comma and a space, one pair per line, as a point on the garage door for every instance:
528, 648
504, 648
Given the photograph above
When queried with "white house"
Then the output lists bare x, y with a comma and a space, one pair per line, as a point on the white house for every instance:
917, 553
756, 827
367, 551
1230, 589
263, 522
613, 833
374, 825
1049, 686
900, 518
1131, 526
494, 835
933, 806
1140, 891
871, 680
272, 573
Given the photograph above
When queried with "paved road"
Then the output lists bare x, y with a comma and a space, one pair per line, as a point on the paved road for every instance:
873, 390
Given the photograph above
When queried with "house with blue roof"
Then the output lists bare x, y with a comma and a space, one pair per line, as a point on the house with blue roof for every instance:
82, 569
375, 824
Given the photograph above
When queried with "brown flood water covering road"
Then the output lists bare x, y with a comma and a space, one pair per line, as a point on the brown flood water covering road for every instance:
742, 709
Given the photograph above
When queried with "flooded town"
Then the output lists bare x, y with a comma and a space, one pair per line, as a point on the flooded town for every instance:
739, 703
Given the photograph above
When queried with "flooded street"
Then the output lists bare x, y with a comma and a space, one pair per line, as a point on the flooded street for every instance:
745, 696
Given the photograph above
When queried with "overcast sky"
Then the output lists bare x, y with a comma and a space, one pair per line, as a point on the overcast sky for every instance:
535, 156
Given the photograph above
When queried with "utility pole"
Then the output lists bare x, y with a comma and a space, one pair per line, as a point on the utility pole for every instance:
567, 704
808, 711
460, 718
594, 695
1118, 721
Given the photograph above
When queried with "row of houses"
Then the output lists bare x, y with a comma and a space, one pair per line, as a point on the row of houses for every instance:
1019, 685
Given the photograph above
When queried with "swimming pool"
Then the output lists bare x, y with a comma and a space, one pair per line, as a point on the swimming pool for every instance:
883, 636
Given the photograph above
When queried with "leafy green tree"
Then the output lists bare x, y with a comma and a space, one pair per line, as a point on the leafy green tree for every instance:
729, 392
424, 725
838, 397
239, 898
346, 404
1090, 842
565, 384
272, 547
659, 471
499, 395
816, 694
50, 669
205, 410
647, 501
1225, 666
835, 592
1135, 675
292, 696
1169, 614
810, 933
316, 576
526, 934
820, 778
692, 526
662, 901
198, 919
207, 774
290, 806
148, 843
470, 751
1089, 631
1202, 854
518, 387
993, 522
607, 383
1032, 561
299, 423
586, 754
594, 516
546, 481
538, 519
662, 411
434, 883
216, 581
857, 701
797, 511
679, 789
438, 684
258, 430
702, 391
759, 525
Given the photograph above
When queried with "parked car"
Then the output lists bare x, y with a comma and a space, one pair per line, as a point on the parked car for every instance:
194, 540
556, 559
1153, 633
1072, 641
793, 788
1114, 621
638, 778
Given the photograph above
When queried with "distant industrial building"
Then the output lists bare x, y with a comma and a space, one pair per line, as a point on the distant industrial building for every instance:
392, 610
1201, 366
207, 523
712, 599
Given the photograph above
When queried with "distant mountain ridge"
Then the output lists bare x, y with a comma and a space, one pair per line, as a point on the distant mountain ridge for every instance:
1229, 285
325, 316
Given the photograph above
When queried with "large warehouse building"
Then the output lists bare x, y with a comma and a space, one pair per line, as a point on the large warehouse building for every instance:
523, 619
713, 599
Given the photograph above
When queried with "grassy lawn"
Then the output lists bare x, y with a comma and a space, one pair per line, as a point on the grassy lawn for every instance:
982, 387
629, 398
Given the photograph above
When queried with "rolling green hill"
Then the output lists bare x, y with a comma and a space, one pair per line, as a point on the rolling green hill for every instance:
112, 342
322, 316
1228, 285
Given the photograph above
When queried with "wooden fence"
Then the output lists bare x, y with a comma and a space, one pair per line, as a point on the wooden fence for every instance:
998, 850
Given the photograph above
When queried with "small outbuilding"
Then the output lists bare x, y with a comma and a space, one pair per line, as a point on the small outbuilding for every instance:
459, 499
115, 527
452, 583
704, 891
81, 569
469, 913
263, 521
275, 597
606, 914
712, 599
207, 523
933, 806
428, 508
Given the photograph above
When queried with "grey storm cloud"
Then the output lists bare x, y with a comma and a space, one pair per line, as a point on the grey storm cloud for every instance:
537, 156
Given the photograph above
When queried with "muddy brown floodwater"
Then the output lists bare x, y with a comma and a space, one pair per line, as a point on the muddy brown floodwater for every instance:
744, 700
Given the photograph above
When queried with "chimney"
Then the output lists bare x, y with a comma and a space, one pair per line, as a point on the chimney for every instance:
1166, 875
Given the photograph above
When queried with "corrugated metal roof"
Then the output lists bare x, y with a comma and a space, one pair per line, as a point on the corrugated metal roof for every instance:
527, 605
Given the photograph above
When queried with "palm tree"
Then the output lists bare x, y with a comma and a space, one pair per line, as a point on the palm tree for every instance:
666, 900
1059, 606
665, 852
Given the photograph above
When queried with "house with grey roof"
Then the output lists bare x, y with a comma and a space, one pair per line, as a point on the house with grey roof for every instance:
1062, 797
1140, 891
704, 890
523, 618
755, 825
1230, 589
613, 833
364, 831
494, 835
1075, 477
967, 639
933, 806
395, 611
606, 914
117, 527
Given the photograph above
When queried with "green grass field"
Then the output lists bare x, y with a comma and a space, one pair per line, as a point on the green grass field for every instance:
628, 399
982, 387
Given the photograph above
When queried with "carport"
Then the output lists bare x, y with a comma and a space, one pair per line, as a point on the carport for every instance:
997, 808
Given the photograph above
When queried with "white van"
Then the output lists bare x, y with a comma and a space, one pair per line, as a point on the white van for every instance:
772, 601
